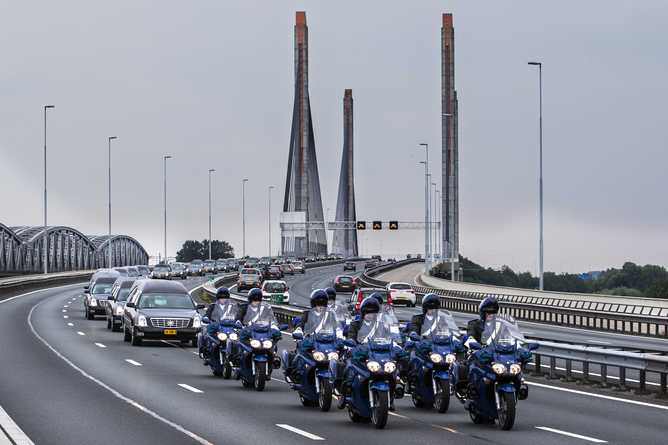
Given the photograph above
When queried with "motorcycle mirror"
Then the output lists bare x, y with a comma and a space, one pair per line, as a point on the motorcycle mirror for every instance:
413, 336
474, 345
297, 336
532, 346
238, 324
129, 304
206, 320
86, 288
283, 326
296, 320
201, 306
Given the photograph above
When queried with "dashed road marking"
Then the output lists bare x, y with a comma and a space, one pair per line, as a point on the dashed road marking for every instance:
451, 430
66, 316
190, 388
566, 433
300, 432
70, 324
64, 310
132, 362
80, 333
100, 345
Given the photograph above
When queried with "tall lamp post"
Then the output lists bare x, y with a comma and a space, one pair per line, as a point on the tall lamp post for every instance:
211, 170
46, 236
426, 206
434, 219
164, 191
109, 139
243, 216
540, 180
271, 187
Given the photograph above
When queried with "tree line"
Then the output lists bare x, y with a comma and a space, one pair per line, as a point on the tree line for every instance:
631, 279
199, 250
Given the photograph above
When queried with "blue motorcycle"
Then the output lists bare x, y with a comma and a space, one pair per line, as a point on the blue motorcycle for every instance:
434, 351
316, 347
495, 377
257, 348
221, 345
371, 372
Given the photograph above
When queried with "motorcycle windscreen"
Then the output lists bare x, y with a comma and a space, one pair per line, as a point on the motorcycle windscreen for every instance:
375, 329
260, 316
225, 312
390, 318
341, 312
439, 324
321, 322
502, 331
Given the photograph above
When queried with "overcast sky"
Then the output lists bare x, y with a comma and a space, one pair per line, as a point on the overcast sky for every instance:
211, 83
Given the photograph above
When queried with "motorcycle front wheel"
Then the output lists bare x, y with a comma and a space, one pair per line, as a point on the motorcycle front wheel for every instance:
506, 413
260, 376
227, 370
442, 397
325, 395
380, 409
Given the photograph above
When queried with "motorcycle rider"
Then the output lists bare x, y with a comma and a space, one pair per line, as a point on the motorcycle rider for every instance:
429, 302
319, 300
488, 307
254, 300
213, 313
331, 296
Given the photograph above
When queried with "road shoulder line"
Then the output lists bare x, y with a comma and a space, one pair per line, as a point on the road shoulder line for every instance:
13, 432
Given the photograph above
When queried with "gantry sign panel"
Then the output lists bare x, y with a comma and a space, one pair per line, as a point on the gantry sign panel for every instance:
22, 250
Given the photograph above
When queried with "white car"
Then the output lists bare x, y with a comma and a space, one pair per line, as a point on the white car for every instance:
402, 293
276, 291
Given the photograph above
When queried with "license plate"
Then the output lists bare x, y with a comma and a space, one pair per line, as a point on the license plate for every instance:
169, 331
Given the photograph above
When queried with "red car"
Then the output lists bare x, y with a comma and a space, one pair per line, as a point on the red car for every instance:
344, 283
360, 294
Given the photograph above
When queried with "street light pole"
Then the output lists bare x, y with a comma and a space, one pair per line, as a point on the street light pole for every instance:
426, 206
243, 216
540, 180
271, 187
164, 191
46, 237
109, 139
211, 170
434, 217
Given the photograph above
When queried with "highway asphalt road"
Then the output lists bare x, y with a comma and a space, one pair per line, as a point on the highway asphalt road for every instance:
67, 380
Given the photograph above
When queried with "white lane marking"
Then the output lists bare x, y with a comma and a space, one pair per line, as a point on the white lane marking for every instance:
80, 333
66, 306
397, 415
132, 362
566, 433
600, 342
9, 428
64, 310
115, 393
100, 345
599, 396
66, 316
70, 324
190, 388
300, 432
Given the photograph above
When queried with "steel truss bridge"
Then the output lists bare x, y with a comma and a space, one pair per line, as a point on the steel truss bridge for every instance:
22, 250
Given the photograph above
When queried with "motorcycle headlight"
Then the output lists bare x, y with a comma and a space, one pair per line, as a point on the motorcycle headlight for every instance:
267, 344
373, 366
141, 321
256, 343
234, 336
197, 322
93, 302
333, 356
436, 358
222, 336
515, 369
119, 310
390, 367
450, 358
499, 368
319, 356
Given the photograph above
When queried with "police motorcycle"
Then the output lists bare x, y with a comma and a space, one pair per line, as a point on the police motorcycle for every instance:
257, 346
371, 373
434, 351
495, 382
220, 338
316, 347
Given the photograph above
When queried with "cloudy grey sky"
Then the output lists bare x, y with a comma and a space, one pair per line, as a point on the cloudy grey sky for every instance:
211, 83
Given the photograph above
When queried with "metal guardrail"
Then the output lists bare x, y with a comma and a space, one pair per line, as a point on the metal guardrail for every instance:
561, 358
642, 320
15, 284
